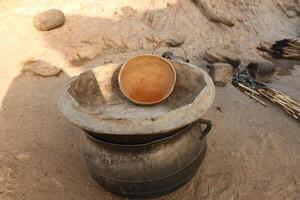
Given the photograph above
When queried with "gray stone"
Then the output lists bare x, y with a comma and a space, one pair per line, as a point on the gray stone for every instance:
261, 71
40, 67
48, 20
219, 55
221, 73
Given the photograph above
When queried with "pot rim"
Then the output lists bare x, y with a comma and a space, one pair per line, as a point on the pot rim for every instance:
154, 142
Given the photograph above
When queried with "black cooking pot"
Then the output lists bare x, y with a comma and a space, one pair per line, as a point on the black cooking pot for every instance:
150, 169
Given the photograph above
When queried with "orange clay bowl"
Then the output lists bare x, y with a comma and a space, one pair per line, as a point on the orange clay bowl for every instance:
147, 79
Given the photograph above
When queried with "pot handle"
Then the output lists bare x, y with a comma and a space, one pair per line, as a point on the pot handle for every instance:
171, 40
207, 128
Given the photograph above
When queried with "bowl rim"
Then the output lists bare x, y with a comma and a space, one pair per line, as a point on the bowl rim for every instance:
156, 57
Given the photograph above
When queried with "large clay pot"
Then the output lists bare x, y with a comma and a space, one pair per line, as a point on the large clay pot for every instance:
139, 151
150, 169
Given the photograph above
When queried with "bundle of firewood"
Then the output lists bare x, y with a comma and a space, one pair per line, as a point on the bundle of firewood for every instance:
286, 48
256, 90
288, 104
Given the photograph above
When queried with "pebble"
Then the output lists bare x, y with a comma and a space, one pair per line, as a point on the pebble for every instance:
23, 156
49, 20
291, 13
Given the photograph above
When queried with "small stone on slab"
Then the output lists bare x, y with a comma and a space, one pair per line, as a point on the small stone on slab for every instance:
221, 73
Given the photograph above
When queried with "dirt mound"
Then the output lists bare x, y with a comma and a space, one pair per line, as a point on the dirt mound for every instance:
136, 25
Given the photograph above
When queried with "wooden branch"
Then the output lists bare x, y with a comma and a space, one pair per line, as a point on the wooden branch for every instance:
255, 98
247, 88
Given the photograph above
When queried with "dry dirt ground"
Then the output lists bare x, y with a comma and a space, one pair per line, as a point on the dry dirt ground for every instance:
253, 152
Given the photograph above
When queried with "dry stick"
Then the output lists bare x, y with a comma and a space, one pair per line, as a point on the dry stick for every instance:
255, 98
294, 40
291, 53
291, 113
293, 45
274, 101
282, 103
281, 96
290, 101
290, 104
287, 52
288, 97
294, 58
247, 88
250, 92
291, 50
285, 107
291, 56
294, 102
296, 46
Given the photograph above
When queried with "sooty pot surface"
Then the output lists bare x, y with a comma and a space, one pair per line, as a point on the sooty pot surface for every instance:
146, 170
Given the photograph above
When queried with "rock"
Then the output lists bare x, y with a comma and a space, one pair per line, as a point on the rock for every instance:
214, 55
57, 183
221, 73
291, 13
6, 178
214, 14
80, 55
261, 71
48, 20
128, 11
41, 68
23, 156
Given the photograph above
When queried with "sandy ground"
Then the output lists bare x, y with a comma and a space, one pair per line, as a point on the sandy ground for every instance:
253, 152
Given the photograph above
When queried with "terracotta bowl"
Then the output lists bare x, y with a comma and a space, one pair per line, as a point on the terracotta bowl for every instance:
147, 79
